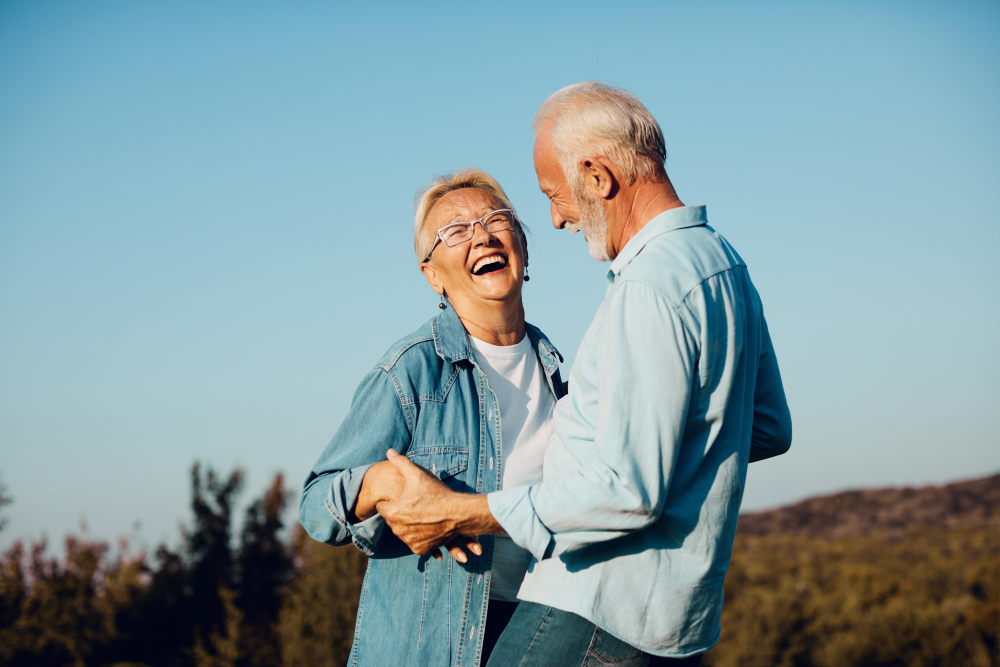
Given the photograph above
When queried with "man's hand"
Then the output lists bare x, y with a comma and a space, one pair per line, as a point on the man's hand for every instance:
429, 514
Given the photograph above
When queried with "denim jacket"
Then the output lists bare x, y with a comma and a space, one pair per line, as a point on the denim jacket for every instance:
428, 399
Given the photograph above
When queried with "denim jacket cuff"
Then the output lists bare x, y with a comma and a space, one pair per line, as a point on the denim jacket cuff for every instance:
344, 491
512, 508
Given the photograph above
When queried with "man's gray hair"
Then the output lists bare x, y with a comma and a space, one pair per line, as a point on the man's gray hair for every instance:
593, 118
431, 194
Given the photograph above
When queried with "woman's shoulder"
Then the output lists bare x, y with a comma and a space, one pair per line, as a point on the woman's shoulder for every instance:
417, 346
542, 341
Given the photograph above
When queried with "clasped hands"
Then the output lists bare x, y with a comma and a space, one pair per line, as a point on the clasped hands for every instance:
421, 510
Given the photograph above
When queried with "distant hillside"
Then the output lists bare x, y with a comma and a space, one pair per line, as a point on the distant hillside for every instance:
891, 512
874, 578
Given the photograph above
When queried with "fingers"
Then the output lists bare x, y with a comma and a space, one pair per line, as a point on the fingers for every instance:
455, 548
404, 465
456, 551
473, 545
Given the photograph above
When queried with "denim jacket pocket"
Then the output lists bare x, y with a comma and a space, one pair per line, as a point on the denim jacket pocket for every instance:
444, 462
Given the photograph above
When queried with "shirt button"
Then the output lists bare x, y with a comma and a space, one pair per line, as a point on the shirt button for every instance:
472, 631
489, 414
491, 463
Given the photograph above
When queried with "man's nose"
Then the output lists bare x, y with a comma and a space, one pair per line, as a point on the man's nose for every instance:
557, 220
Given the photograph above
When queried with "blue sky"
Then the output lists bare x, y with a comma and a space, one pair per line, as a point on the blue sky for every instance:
206, 219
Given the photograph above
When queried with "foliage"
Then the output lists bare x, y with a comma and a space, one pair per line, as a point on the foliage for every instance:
931, 598
5, 500
316, 625
206, 605
64, 614
836, 581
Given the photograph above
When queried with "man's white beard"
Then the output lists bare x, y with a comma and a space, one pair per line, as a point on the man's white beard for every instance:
593, 223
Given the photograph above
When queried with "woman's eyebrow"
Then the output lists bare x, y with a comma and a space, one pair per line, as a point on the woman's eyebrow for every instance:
463, 218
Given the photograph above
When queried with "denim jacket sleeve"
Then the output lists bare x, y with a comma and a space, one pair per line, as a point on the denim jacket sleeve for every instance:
375, 423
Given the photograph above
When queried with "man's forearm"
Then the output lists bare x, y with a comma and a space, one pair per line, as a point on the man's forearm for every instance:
472, 515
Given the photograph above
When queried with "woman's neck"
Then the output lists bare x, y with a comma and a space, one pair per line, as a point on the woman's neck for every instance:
499, 325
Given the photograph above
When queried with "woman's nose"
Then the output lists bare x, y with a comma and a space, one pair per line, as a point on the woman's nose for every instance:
480, 236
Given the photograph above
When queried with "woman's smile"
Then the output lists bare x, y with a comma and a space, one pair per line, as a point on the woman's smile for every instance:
489, 265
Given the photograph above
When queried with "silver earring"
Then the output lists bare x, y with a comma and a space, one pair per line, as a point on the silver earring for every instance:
441, 305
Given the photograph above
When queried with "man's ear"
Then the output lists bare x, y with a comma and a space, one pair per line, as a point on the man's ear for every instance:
599, 180
432, 277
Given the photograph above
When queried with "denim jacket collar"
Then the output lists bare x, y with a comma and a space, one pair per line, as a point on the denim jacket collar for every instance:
451, 342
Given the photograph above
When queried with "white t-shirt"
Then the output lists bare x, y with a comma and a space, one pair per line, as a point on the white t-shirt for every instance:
525, 403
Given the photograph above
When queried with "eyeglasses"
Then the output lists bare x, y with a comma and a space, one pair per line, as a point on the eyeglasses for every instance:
460, 232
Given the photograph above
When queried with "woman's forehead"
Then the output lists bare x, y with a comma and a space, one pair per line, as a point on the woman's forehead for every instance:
464, 204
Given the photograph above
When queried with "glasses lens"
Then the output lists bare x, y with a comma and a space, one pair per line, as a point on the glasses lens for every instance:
498, 221
460, 232
456, 233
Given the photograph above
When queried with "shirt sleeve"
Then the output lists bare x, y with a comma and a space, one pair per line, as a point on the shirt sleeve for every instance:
375, 423
772, 420
644, 356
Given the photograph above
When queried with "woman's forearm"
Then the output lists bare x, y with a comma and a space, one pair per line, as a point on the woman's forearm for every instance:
382, 482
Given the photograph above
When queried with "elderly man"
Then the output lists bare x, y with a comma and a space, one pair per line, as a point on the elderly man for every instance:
675, 389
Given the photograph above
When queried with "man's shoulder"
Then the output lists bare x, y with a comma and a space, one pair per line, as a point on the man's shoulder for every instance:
677, 262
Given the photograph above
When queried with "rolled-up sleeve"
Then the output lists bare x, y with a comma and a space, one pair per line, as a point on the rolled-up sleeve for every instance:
375, 422
644, 358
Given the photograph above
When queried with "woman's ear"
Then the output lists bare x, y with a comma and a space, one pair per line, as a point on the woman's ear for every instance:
524, 246
432, 277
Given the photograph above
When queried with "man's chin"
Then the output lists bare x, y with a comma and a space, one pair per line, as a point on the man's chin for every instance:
598, 250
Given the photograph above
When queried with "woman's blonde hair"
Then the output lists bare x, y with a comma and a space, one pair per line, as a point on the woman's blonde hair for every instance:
431, 194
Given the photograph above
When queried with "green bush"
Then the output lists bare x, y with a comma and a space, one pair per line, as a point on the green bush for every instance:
821, 598
929, 598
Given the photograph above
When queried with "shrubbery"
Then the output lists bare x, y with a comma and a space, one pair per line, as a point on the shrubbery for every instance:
929, 598
210, 604
862, 598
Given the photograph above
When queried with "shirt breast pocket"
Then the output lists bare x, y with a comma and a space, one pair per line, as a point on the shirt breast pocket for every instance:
445, 464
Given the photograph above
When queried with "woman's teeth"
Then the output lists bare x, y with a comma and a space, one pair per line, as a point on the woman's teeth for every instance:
487, 261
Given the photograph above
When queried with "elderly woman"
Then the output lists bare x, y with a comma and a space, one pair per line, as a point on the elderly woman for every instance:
468, 396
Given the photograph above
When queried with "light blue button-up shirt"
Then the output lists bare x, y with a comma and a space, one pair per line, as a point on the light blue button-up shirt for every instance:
675, 389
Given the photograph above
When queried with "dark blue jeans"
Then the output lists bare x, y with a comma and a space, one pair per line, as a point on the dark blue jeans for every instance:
540, 636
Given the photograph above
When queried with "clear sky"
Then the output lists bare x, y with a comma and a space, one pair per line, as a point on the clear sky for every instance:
206, 222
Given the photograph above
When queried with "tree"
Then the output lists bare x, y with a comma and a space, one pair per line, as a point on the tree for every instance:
264, 568
5, 499
316, 623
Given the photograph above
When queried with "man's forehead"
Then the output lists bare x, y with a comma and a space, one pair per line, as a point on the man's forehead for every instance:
546, 166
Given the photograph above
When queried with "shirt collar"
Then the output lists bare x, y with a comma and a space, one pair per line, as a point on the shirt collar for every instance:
451, 342
668, 221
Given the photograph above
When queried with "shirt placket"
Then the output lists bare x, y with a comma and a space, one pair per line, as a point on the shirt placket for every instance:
488, 481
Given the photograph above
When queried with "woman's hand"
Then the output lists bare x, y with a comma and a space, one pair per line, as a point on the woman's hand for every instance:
382, 482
